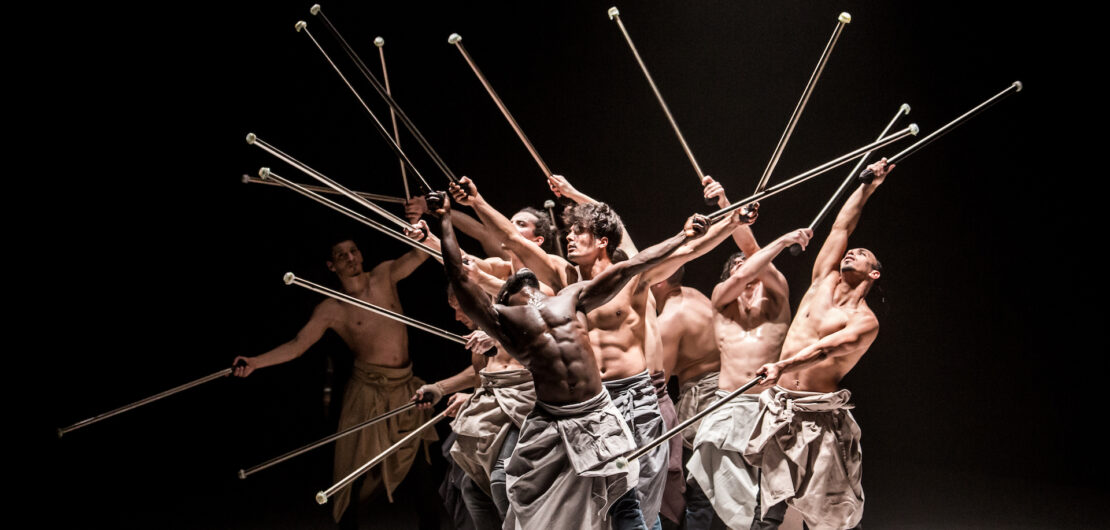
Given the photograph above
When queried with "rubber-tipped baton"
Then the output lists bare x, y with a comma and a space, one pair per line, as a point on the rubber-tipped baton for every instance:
100, 417
550, 206
623, 460
322, 497
302, 27
845, 186
247, 179
292, 279
912, 129
843, 20
455, 39
615, 14
244, 473
380, 43
278, 180
253, 139
384, 94
867, 175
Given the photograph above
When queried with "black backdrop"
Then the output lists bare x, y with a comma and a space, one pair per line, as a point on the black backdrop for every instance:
162, 266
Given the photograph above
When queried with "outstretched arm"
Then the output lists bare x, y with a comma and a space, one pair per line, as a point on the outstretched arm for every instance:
828, 260
856, 336
546, 269
473, 301
756, 265
606, 285
698, 247
306, 337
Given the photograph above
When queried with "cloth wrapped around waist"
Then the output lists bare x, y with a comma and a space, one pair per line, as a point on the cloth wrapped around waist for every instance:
693, 397
374, 390
718, 464
562, 473
808, 446
502, 402
636, 398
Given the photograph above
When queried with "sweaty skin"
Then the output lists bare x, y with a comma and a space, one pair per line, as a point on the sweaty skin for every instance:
549, 334
834, 326
373, 339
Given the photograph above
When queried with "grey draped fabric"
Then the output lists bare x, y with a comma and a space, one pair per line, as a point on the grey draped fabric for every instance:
693, 397
718, 464
635, 398
503, 401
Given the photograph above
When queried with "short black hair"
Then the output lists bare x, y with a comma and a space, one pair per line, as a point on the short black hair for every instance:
600, 219
515, 283
728, 264
331, 247
543, 228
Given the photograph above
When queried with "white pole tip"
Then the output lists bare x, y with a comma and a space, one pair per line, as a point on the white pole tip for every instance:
1018, 85
845, 18
288, 279
315, 9
321, 498
299, 25
453, 38
549, 204
242, 475
61, 433
264, 172
379, 42
905, 108
614, 12
246, 178
251, 138
914, 129
622, 463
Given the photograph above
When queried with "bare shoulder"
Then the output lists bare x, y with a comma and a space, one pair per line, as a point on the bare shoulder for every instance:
330, 310
865, 319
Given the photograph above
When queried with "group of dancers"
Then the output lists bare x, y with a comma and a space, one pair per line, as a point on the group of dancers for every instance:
571, 356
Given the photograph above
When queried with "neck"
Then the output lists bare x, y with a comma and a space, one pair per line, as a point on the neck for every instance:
353, 285
597, 266
665, 293
850, 291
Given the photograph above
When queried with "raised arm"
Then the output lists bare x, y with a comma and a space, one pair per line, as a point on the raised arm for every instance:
562, 187
828, 260
742, 236
547, 270
694, 248
757, 266
606, 285
467, 378
321, 320
473, 301
856, 336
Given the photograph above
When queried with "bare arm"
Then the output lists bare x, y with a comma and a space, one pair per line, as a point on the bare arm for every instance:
828, 260
758, 266
403, 266
463, 380
473, 301
742, 236
856, 336
306, 337
562, 187
491, 243
546, 270
606, 285
698, 247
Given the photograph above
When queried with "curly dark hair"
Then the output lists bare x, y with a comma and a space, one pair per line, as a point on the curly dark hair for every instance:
599, 219
727, 271
543, 228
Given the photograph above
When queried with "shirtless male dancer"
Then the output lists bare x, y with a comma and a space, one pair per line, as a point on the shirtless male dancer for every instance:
558, 476
487, 422
382, 377
820, 475
621, 331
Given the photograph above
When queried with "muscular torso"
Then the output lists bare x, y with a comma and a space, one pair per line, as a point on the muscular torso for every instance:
500, 362
750, 332
686, 329
551, 340
819, 316
373, 339
618, 330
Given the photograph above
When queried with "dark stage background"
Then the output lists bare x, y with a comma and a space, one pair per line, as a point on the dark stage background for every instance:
169, 266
